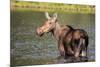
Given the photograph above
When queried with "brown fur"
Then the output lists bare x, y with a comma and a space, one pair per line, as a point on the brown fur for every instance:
73, 42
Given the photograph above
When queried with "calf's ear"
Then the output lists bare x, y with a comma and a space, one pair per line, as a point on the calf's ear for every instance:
55, 16
47, 15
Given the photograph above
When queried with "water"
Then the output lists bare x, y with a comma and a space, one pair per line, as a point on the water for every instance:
29, 49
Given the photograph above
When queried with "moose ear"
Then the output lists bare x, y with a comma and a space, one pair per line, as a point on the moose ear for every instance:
47, 15
55, 15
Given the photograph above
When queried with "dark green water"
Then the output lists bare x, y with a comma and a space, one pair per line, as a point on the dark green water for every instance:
29, 49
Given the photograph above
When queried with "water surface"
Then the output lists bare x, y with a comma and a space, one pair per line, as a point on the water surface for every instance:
29, 49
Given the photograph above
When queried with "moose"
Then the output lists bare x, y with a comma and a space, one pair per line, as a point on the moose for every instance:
71, 42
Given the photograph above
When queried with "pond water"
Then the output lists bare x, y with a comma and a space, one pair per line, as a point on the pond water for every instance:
29, 49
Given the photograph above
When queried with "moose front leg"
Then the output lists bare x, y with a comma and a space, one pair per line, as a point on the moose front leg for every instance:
61, 49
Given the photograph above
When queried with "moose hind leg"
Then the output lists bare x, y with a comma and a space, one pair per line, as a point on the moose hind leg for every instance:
79, 47
77, 52
84, 50
84, 53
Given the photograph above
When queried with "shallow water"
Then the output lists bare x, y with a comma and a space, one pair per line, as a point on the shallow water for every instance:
29, 49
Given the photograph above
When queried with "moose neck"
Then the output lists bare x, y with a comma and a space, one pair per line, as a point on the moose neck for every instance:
56, 31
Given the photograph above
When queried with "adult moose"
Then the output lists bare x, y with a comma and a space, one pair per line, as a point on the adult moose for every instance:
71, 42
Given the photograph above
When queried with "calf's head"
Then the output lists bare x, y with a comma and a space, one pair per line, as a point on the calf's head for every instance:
48, 25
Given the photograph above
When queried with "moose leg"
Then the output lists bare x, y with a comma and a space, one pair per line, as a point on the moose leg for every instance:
61, 46
84, 53
70, 50
78, 49
61, 49
84, 49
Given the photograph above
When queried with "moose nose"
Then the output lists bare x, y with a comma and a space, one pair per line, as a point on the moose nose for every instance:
39, 32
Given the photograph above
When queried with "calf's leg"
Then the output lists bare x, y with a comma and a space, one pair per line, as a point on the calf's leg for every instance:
61, 49
78, 49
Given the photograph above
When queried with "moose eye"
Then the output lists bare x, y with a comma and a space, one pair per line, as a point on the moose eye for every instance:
49, 23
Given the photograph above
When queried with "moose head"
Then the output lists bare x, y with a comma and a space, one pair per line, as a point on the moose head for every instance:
48, 25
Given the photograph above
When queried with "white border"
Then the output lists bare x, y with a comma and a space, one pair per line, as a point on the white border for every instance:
4, 33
